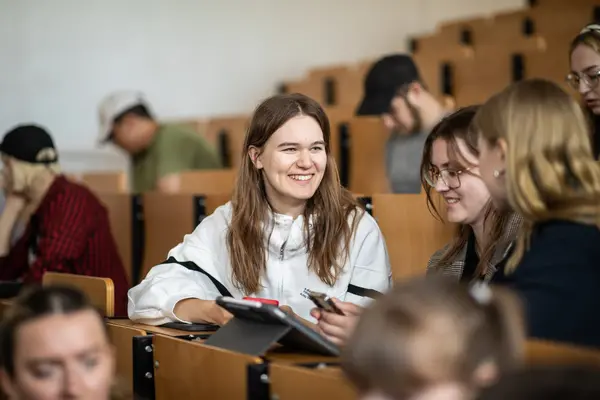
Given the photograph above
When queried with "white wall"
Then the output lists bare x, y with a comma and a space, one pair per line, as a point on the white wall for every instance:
193, 58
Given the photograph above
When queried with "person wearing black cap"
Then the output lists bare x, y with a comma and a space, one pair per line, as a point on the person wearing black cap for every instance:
68, 230
394, 90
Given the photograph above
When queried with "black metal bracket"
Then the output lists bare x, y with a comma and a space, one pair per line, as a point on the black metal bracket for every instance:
258, 382
143, 368
518, 67
367, 202
199, 209
138, 237
224, 150
344, 151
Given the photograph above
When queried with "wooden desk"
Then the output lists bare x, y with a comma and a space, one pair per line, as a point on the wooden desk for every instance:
183, 366
298, 383
153, 329
277, 353
185, 369
283, 355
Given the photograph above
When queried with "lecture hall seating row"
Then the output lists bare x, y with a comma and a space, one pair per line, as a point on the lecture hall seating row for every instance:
162, 363
147, 226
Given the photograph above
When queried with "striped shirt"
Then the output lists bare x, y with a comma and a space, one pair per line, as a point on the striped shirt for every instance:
70, 233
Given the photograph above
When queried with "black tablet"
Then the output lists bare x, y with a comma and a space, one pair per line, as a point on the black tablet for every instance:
299, 337
182, 326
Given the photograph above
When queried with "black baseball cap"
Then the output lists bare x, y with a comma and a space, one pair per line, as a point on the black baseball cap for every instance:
25, 142
383, 80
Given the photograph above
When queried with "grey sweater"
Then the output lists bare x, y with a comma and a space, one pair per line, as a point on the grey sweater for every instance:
403, 161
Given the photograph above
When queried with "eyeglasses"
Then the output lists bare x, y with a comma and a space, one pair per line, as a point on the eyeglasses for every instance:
591, 79
450, 177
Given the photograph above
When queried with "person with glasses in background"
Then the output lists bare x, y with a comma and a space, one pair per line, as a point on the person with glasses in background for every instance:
585, 75
484, 234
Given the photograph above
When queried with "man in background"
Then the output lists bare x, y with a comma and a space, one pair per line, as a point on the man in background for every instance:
159, 152
394, 91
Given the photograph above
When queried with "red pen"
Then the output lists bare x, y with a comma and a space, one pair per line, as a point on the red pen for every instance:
264, 301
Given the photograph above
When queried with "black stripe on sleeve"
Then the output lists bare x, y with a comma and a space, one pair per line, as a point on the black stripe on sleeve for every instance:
192, 266
363, 292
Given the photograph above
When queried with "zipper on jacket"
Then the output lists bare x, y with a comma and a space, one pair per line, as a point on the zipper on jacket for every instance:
281, 251
281, 270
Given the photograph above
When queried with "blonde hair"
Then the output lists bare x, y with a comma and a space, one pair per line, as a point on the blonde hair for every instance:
431, 330
550, 169
589, 36
25, 173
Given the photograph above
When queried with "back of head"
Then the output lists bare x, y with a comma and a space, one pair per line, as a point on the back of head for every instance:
550, 169
430, 331
547, 383
33, 304
330, 206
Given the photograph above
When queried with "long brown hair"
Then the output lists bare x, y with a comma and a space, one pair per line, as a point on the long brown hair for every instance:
431, 330
331, 207
451, 129
550, 169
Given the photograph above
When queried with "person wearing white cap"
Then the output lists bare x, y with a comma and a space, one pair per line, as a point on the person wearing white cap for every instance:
159, 152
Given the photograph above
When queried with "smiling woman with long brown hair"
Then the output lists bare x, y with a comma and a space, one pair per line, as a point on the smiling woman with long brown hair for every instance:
289, 226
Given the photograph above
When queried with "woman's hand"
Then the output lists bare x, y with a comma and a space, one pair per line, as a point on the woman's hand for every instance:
202, 311
288, 310
337, 328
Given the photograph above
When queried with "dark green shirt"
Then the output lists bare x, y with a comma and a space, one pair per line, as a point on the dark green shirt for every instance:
174, 149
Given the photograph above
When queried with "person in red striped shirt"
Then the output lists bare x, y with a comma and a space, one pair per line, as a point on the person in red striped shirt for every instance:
68, 230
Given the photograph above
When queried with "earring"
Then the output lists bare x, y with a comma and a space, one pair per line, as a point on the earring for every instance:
497, 174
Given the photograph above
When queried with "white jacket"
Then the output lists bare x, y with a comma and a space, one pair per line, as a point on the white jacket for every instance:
153, 300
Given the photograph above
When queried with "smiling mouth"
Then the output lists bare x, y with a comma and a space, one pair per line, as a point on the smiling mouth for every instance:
452, 200
301, 178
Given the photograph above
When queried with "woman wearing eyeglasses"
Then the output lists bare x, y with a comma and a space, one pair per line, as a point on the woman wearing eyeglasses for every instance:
484, 235
585, 74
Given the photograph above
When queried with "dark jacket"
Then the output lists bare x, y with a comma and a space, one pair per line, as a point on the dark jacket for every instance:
558, 279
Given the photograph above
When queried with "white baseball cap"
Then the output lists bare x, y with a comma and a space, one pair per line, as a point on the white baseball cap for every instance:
114, 105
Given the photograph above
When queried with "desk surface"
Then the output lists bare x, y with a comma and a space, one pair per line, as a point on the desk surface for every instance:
152, 329
277, 354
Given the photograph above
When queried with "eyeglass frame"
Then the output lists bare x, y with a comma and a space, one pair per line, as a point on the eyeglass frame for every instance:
459, 172
591, 80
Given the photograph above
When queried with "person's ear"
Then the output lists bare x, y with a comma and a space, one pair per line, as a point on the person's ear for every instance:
254, 154
414, 91
500, 149
486, 374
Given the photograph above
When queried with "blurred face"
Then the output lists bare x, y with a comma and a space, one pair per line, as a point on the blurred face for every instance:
7, 174
132, 133
462, 188
492, 169
293, 162
585, 76
403, 117
62, 357
444, 391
